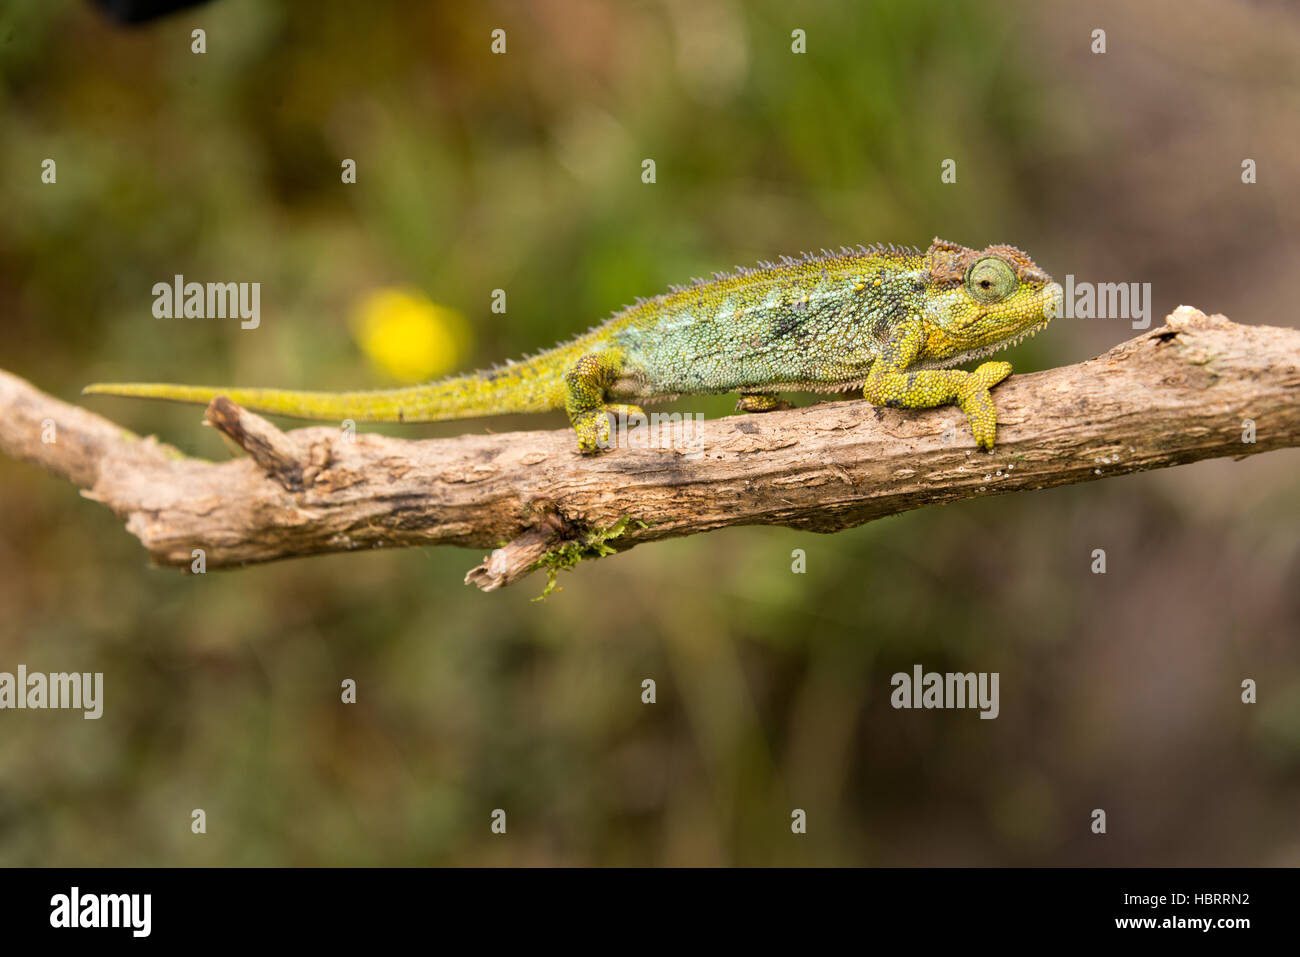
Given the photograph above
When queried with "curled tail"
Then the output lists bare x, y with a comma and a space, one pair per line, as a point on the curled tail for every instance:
534, 385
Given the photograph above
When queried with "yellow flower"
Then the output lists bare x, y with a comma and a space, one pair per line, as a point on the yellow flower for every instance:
408, 336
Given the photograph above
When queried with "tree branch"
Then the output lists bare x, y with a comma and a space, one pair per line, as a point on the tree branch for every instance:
1173, 395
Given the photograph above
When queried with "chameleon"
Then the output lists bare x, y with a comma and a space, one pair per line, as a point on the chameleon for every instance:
891, 321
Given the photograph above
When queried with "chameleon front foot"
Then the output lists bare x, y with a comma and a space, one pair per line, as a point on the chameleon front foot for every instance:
893, 384
975, 400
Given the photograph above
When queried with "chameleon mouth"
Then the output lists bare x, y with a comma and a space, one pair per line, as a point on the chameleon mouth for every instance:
1048, 299
1026, 334
978, 351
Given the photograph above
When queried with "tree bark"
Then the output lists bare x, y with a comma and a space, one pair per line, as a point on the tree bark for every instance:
1173, 395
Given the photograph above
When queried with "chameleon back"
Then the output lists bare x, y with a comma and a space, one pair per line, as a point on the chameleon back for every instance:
813, 324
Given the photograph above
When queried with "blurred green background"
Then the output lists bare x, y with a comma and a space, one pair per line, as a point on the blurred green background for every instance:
522, 172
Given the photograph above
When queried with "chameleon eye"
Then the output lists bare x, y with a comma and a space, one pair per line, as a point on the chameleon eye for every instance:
990, 279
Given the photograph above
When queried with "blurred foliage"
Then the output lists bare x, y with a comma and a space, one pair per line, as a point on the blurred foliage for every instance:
522, 172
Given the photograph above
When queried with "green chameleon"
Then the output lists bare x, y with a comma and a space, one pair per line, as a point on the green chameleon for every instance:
890, 321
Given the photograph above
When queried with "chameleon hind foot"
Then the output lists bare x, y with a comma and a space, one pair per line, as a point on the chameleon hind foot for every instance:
586, 386
761, 402
595, 427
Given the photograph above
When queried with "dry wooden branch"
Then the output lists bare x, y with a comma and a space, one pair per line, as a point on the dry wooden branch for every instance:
1171, 396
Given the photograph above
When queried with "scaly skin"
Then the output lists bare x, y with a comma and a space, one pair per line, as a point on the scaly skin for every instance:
889, 321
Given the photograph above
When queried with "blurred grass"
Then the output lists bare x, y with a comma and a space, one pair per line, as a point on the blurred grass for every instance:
522, 172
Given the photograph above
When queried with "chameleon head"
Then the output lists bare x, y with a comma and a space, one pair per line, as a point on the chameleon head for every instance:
979, 301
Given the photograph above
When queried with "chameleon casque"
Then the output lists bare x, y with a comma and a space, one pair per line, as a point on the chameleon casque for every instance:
890, 321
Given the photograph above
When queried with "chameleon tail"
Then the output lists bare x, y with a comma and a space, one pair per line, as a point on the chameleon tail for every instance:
535, 385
